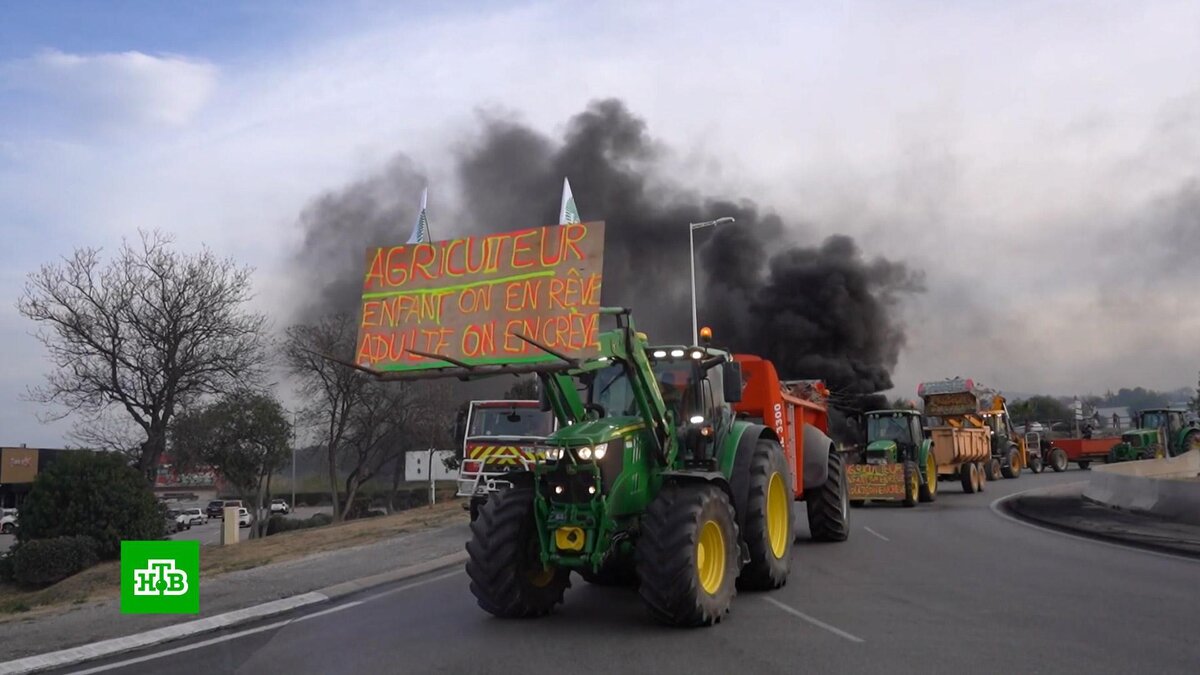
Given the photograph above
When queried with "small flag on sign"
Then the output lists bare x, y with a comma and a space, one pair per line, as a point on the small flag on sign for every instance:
420, 233
568, 213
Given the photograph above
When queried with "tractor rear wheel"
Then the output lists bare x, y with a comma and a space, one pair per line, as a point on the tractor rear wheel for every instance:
912, 484
970, 478
928, 491
1058, 460
1190, 442
688, 555
507, 576
768, 519
1012, 463
829, 504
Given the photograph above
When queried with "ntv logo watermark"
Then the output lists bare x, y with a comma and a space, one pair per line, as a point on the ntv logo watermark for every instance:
160, 577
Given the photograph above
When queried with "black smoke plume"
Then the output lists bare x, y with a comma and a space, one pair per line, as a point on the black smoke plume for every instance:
818, 312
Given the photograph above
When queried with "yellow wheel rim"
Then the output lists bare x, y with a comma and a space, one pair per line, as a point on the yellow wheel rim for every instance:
931, 473
710, 557
777, 515
540, 577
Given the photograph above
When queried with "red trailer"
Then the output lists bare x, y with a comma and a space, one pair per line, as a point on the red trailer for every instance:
1082, 451
798, 413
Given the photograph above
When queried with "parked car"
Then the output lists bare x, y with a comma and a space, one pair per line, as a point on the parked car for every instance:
196, 516
215, 508
280, 506
8, 522
182, 518
244, 518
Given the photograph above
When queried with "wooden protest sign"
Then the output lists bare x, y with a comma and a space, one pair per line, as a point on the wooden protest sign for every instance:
875, 481
468, 299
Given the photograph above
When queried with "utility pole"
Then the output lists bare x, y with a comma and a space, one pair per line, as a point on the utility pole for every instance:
692, 227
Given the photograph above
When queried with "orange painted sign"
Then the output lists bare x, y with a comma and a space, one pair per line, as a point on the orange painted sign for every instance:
875, 481
18, 465
469, 298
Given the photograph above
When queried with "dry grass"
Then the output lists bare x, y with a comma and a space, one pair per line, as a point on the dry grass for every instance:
103, 581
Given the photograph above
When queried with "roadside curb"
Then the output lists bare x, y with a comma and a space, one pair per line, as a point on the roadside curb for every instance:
1008, 506
115, 646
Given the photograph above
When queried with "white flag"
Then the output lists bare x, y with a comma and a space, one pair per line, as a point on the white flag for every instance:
568, 213
420, 233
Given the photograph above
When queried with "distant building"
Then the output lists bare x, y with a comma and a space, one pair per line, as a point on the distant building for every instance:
18, 468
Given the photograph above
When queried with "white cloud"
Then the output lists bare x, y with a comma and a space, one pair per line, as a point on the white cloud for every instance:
118, 89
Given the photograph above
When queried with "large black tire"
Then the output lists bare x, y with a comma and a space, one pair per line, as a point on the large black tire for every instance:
670, 555
993, 469
829, 505
928, 490
1012, 463
1190, 442
1058, 460
983, 476
767, 523
1084, 464
970, 478
912, 484
475, 506
507, 577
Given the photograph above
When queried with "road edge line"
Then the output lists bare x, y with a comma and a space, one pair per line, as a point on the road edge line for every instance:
1000, 509
114, 646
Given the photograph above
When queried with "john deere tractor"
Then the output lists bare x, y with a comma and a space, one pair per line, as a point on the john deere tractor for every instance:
676, 496
895, 440
1160, 432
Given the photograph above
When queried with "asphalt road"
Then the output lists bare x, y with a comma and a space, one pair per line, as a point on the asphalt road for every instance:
950, 587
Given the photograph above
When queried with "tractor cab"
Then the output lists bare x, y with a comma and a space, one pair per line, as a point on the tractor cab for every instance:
698, 396
1181, 433
893, 436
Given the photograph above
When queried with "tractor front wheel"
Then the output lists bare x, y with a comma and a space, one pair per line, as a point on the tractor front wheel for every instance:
829, 504
928, 492
768, 519
1035, 464
688, 555
507, 575
1012, 463
1190, 442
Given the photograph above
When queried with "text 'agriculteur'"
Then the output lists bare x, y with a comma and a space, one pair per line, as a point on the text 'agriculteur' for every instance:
468, 299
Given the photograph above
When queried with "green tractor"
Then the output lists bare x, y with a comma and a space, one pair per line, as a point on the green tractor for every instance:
898, 462
679, 497
1160, 432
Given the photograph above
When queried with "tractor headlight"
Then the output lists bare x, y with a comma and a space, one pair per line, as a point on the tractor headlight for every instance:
600, 451
584, 453
553, 454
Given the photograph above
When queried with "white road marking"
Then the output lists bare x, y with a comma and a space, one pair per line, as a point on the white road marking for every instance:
995, 506
875, 533
814, 621
260, 629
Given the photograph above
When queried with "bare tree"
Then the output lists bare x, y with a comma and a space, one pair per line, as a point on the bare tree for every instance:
144, 334
330, 390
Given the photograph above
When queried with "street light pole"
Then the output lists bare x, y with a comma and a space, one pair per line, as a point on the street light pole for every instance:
692, 227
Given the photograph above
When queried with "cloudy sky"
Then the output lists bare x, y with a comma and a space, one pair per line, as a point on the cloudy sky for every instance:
1039, 161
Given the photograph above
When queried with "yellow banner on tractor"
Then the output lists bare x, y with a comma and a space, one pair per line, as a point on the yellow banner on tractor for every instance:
881, 482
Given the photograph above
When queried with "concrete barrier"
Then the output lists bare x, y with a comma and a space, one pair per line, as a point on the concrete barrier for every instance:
1168, 488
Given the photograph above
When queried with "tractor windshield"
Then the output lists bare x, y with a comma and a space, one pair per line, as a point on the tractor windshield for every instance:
512, 421
888, 428
677, 381
612, 390
1153, 420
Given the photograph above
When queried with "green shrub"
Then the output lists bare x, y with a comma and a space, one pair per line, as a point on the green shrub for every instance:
42, 562
6, 564
96, 494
